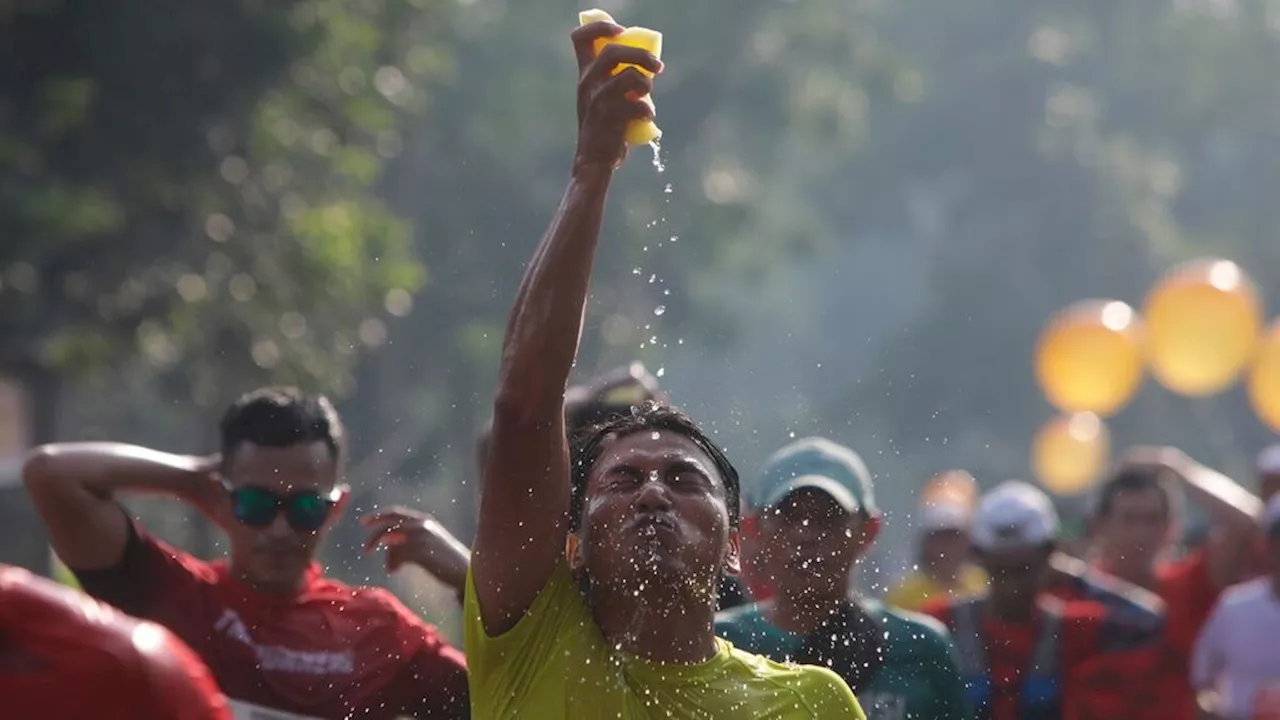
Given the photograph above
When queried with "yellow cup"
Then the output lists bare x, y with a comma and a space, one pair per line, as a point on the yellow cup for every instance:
639, 132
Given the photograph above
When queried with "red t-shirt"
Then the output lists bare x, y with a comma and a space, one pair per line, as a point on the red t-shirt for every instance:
65, 655
1189, 596
1009, 647
331, 651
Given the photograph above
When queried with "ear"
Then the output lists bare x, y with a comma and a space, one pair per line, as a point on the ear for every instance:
573, 552
733, 553
869, 530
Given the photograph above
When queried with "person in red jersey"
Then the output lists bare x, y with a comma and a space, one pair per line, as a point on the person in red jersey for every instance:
1025, 655
66, 655
1137, 518
281, 638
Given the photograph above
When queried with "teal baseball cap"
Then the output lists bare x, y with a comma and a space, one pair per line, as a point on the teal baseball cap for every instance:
818, 464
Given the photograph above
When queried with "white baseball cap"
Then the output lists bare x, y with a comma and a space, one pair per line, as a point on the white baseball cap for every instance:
1013, 516
1271, 516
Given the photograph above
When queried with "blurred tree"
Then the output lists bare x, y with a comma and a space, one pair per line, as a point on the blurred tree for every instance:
193, 189
1063, 151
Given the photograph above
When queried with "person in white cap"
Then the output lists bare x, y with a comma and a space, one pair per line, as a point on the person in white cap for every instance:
819, 516
944, 567
1235, 667
1022, 651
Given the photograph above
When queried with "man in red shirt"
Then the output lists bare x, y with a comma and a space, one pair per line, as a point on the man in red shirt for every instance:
66, 655
1137, 519
281, 639
1021, 651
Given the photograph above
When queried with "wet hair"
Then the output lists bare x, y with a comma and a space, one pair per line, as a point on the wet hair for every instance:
586, 447
282, 417
1130, 477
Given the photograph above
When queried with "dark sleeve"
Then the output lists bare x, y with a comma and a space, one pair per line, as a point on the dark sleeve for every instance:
144, 569
437, 677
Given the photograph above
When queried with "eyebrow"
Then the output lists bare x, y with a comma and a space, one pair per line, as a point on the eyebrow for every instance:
679, 464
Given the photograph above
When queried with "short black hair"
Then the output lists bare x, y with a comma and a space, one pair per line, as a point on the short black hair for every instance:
1134, 477
281, 417
586, 447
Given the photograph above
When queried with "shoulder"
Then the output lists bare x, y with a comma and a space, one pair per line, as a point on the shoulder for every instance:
375, 602
1245, 594
824, 692
911, 628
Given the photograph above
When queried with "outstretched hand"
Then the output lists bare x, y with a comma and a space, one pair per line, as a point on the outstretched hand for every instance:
608, 101
417, 538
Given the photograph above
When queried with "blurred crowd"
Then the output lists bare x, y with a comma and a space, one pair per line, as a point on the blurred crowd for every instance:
997, 620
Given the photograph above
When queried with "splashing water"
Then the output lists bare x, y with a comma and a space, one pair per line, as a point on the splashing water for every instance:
657, 156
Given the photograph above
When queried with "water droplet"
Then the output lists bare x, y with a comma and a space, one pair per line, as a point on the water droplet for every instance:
667, 189
661, 371
660, 309
657, 156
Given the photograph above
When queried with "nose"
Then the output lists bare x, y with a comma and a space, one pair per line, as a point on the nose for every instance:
279, 528
653, 496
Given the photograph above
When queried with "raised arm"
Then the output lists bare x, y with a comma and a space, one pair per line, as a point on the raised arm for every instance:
525, 496
72, 486
1233, 510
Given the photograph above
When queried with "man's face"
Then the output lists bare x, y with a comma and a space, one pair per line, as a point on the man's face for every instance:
810, 544
946, 550
655, 512
276, 555
1016, 575
1135, 530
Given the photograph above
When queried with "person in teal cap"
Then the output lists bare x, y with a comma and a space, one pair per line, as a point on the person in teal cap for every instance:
818, 517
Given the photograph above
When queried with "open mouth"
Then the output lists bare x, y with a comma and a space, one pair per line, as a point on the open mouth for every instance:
654, 524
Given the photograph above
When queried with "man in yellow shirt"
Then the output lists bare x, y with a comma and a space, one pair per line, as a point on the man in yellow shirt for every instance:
592, 588
944, 569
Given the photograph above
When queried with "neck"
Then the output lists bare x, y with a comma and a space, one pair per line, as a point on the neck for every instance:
944, 573
1010, 610
659, 625
800, 614
283, 589
1142, 576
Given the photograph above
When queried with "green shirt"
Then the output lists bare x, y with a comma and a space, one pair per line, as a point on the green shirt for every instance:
920, 678
555, 663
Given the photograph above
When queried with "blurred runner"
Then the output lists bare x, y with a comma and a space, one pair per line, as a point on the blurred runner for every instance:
1139, 514
593, 577
1025, 655
1236, 665
820, 518
944, 568
66, 655
282, 640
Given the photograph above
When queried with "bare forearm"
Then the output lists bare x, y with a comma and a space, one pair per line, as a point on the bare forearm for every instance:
1226, 501
546, 323
103, 468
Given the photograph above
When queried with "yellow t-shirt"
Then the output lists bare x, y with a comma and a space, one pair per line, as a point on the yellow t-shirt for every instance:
555, 663
918, 588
